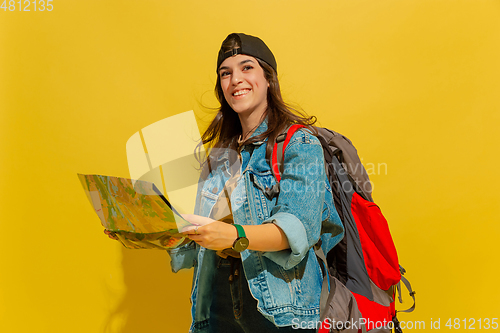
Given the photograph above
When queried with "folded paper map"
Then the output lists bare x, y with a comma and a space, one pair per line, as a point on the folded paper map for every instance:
135, 211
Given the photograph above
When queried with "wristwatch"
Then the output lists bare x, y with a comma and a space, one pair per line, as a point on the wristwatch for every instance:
241, 243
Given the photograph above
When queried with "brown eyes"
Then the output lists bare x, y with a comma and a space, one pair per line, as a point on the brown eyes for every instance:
245, 68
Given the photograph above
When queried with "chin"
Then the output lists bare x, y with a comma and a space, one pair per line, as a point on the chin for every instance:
240, 110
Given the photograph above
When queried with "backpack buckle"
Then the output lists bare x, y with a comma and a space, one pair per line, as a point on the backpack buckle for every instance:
281, 138
272, 192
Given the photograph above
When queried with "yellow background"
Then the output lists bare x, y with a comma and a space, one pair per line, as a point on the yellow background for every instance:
414, 84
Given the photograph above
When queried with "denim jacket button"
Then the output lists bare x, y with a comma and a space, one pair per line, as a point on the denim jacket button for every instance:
214, 190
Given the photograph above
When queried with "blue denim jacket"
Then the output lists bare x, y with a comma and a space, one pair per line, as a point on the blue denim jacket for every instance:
287, 283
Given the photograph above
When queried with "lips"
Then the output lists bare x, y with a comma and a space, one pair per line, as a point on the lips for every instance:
241, 92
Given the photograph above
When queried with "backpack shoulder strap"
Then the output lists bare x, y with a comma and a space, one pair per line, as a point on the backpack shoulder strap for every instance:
348, 157
408, 286
277, 156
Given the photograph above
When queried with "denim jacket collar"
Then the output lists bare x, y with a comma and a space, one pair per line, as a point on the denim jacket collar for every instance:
258, 131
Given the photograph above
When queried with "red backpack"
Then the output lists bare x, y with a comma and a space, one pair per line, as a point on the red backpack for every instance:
365, 261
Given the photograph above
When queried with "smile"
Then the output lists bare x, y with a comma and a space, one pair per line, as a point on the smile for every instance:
241, 92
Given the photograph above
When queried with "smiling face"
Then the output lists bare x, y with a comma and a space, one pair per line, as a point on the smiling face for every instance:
244, 85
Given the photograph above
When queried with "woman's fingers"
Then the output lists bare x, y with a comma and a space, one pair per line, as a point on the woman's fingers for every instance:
110, 234
214, 236
191, 230
197, 222
197, 219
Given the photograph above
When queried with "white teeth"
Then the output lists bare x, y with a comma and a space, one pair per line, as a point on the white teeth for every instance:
241, 92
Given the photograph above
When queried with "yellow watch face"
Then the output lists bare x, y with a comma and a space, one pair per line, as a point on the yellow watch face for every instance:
240, 244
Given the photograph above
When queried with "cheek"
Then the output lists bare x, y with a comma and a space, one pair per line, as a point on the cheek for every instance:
223, 84
224, 87
264, 87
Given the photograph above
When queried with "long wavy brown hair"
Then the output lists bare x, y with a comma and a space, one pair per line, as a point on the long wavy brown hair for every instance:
225, 128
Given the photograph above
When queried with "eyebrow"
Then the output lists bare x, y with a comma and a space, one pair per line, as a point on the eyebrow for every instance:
241, 63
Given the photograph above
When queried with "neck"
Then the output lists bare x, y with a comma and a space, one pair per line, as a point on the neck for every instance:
249, 123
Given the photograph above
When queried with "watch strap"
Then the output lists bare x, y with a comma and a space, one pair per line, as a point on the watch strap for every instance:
241, 231
241, 243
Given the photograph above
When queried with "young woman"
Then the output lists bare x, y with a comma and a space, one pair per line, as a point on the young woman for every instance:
254, 266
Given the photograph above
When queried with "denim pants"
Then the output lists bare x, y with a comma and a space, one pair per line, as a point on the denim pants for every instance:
233, 309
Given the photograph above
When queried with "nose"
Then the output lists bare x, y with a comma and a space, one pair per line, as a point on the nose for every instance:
236, 77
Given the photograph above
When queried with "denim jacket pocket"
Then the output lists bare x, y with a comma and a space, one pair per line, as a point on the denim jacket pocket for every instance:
261, 183
209, 195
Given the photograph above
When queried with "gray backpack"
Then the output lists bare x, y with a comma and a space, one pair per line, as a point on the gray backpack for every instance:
362, 271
